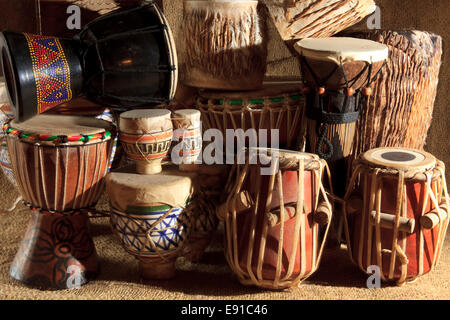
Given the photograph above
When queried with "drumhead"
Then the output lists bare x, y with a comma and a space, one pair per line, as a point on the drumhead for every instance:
61, 125
188, 114
399, 158
145, 121
284, 155
342, 49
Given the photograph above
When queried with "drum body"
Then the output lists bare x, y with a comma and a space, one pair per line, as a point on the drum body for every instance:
268, 243
404, 185
146, 137
125, 59
148, 213
5, 161
225, 45
277, 108
59, 163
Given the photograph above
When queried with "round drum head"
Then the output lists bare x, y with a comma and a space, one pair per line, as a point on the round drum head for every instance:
400, 158
282, 154
342, 49
61, 125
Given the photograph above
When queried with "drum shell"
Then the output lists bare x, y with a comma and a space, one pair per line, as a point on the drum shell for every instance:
60, 178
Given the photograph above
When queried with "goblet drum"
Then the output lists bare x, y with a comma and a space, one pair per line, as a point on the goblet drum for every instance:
146, 137
338, 75
59, 163
396, 217
124, 60
272, 217
148, 214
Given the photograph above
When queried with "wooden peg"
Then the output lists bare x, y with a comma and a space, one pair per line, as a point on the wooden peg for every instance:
431, 219
323, 214
388, 221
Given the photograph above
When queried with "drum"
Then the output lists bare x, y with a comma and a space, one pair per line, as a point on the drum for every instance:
273, 217
188, 134
338, 75
59, 163
225, 44
148, 213
146, 136
125, 59
278, 108
399, 112
396, 217
316, 18
5, 115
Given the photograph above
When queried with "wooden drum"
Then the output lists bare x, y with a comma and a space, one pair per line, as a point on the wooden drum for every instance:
59, 163
146, 136
148, 213
272, 217
225, 44
275, 107
396, 218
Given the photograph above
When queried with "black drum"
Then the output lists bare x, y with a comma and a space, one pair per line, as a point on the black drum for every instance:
125, 60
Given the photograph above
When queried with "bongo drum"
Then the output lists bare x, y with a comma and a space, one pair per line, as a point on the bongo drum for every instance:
338, 73
277, 108
225, 44
188, 134
125, 59
148, 214
146, 136
396, 217
59, 163
272, 217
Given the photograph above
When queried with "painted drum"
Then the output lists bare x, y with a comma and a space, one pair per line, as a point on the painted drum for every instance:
396, 216
148, 213
146, 137
269, 242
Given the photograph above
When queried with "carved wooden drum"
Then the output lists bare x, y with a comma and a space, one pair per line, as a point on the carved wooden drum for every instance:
146, 136
148, 213
59, 163
272, 217
397, 216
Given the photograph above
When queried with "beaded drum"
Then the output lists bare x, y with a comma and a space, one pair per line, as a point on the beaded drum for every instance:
338, 74
272, 217
278, 107
148, 213
59, 163
146, 136
396, 218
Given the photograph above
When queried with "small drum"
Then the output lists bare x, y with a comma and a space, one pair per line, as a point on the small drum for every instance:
59, 163
397, 216
272, 217
146, 136
224, 43
125, 59
148, 214
188, 134
275, 107
338, 73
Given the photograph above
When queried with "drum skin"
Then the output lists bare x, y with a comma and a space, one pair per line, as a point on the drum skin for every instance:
244, 223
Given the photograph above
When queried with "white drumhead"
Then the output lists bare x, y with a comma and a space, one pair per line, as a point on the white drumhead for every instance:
342, 49
400, 158
145, 121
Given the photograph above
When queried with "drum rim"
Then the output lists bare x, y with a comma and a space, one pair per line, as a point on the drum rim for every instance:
294, 155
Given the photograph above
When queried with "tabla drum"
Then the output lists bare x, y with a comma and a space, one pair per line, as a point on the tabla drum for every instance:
146, 136
396, 217
273, 217
225, 44
187, 138
148, 215
338, 75
125, 59
59, 163
5, 161
278, 108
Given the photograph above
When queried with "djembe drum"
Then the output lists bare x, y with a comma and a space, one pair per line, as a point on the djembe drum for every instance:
338, 74
146, 136
148, 213
277, 108
124, 60
59, 163
272, 217
225, 44
397, 215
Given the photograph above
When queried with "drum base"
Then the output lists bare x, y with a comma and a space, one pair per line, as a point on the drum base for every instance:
56, 253
156, 268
